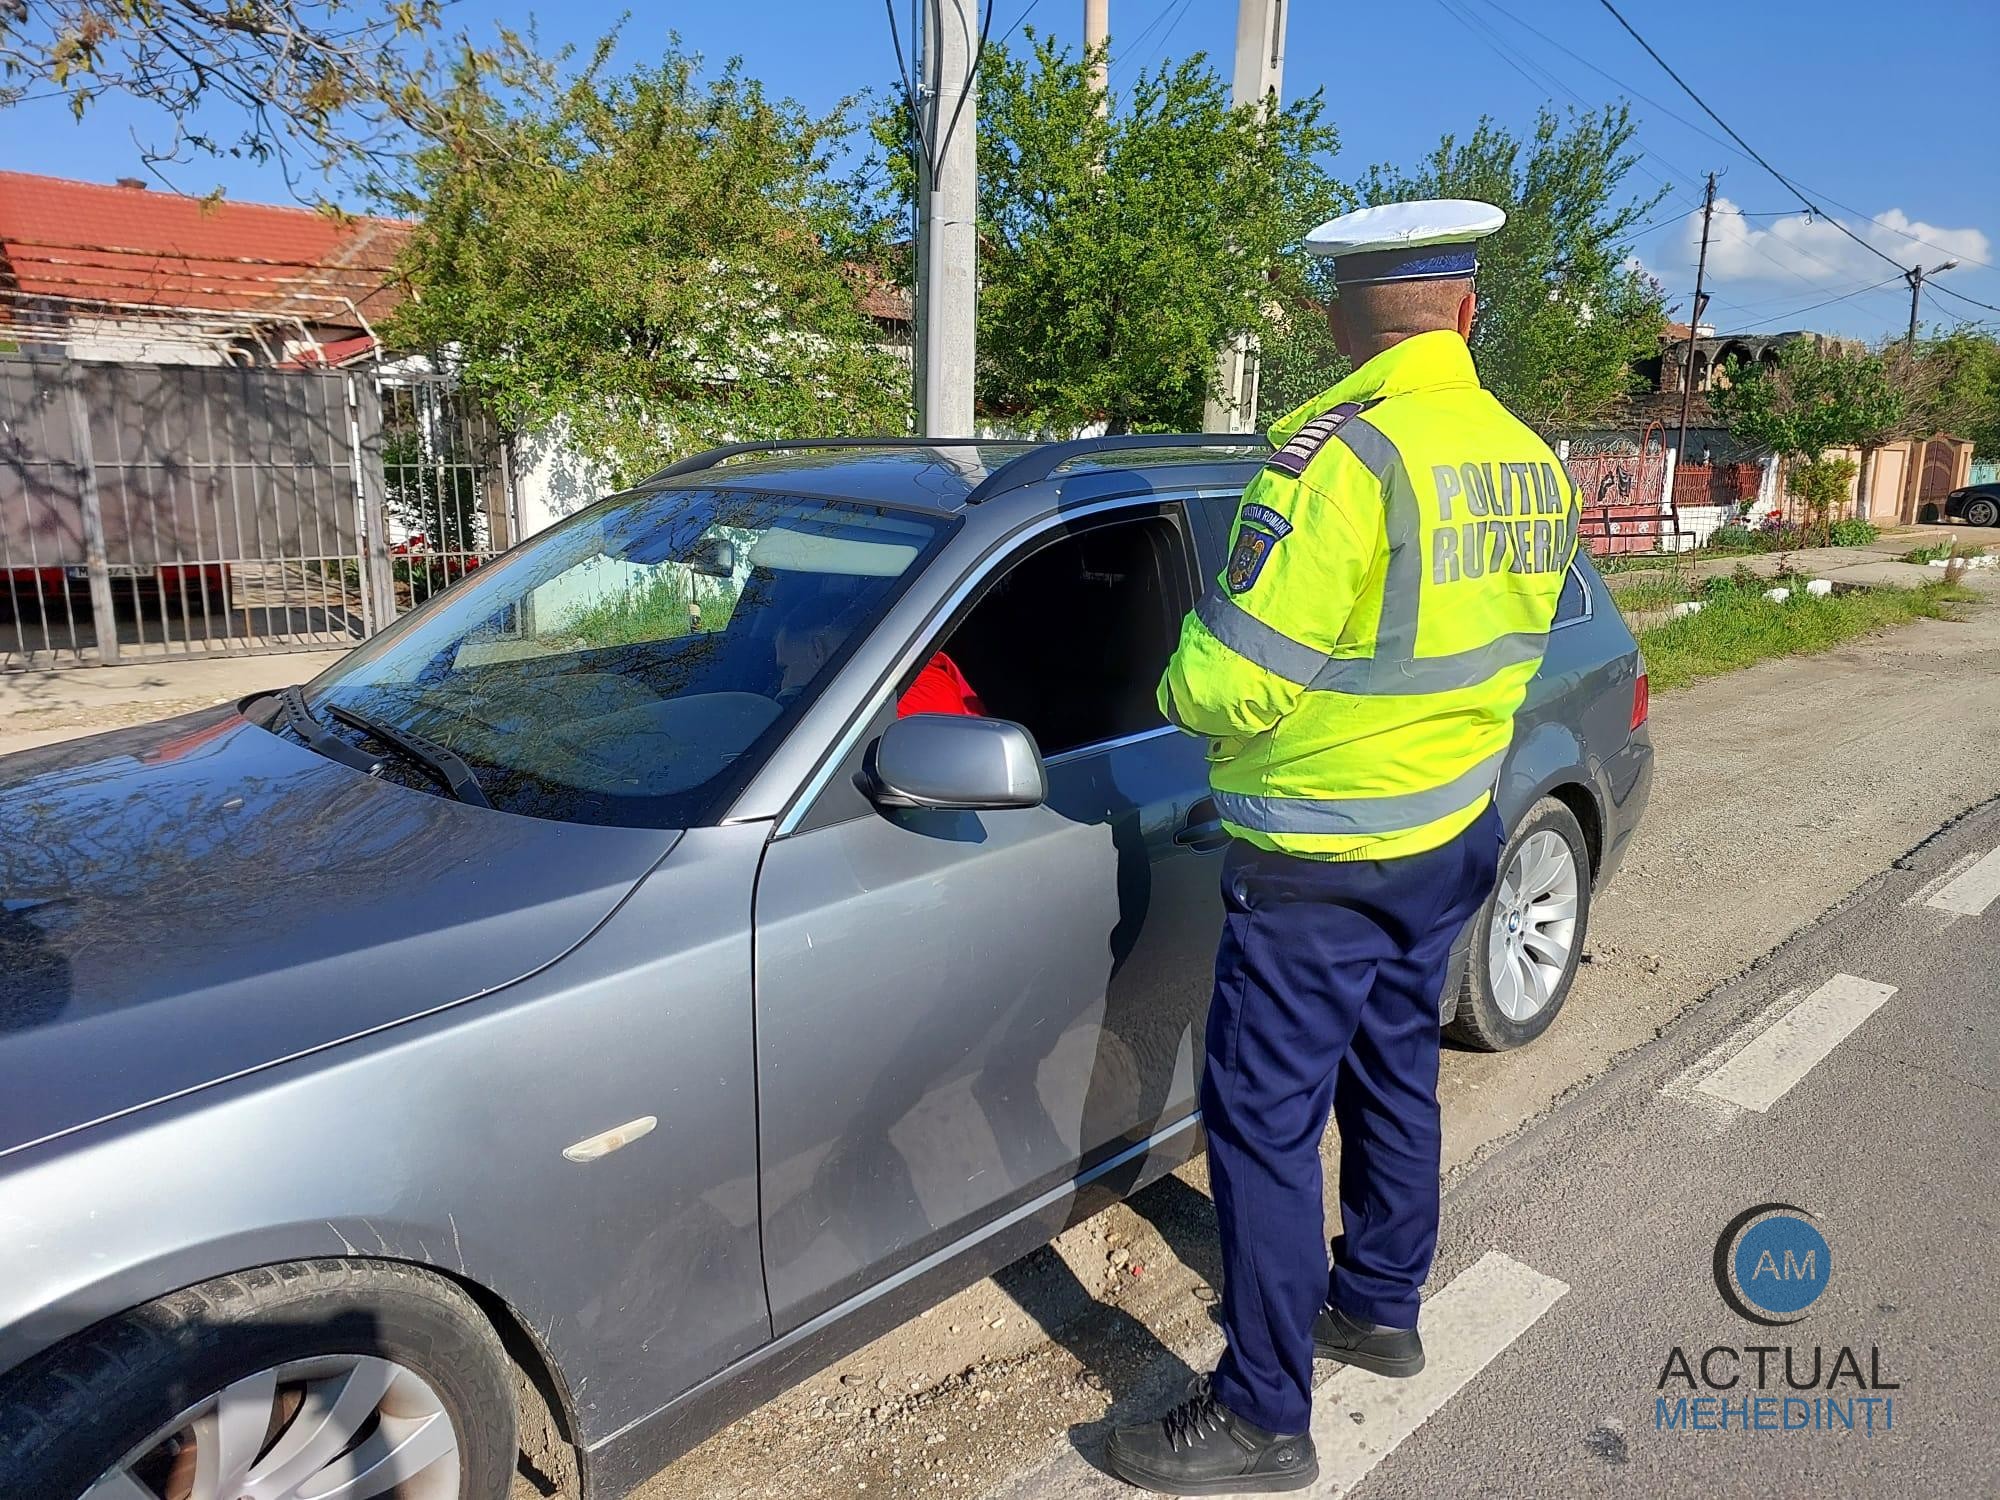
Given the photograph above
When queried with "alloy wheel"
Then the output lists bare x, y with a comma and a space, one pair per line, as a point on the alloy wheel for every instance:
1533, 926
340, 1427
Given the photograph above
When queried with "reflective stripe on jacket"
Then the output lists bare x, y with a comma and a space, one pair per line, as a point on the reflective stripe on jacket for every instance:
1391, 578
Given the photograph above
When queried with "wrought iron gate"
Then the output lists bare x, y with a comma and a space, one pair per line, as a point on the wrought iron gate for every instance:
151, 511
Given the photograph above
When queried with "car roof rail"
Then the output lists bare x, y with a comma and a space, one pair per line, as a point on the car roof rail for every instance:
1040, 462
709, 458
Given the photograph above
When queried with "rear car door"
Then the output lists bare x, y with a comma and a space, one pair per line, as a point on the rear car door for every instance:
957, 1012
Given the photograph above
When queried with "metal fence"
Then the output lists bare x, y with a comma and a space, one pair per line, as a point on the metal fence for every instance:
151, 511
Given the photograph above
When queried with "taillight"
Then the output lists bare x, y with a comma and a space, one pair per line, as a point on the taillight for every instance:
1642, 698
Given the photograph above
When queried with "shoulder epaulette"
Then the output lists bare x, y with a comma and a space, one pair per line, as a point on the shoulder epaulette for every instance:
1315, 435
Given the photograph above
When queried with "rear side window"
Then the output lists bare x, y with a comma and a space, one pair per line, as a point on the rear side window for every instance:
1215, 515
1574, 603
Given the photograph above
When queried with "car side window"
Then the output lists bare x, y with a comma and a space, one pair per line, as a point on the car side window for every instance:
1067, 637
1573, 605
1070, 640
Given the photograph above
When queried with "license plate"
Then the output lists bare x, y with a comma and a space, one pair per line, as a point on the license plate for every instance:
115, 570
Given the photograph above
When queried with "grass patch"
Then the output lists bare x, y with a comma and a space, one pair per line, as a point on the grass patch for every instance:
1932, 552
1643, 594
661, 609
1613, 563
1740, 628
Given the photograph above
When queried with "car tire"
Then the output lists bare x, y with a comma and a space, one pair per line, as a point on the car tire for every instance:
1982, 510
1514, 986
303, 1346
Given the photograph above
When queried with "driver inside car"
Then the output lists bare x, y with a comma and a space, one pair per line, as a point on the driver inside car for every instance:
940, 688
811, 632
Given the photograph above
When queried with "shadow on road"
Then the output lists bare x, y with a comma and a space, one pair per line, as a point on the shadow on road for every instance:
1120, 1355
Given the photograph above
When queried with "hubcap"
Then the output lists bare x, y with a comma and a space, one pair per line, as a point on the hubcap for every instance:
342, 1427
1533, 929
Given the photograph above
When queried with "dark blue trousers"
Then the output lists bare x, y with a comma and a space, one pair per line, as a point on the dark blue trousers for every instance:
1327, 984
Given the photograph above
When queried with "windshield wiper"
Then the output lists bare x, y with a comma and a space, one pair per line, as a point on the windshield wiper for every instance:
318, 737
444, 765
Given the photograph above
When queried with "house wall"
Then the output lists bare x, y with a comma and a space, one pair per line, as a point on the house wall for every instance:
1890, 471
141, 341
552, 479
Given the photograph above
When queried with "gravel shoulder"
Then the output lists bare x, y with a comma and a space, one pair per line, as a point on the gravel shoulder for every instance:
1780, 790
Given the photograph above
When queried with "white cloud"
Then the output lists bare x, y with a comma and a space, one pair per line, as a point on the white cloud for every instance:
1814, 250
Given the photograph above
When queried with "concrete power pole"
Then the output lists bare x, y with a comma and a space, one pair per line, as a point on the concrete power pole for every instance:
1097, 31
1260, 75
947, 223
1694, 321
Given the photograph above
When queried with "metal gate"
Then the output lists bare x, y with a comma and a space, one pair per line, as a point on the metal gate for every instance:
1625, 503
1939, 475
157, 511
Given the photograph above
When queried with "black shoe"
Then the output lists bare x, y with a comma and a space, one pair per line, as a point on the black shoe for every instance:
1395, 1352
1201, 1448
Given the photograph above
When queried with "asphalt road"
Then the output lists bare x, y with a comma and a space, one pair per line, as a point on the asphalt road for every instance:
1852, 1075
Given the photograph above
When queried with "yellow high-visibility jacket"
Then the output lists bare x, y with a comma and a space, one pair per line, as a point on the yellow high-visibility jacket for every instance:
1392, 574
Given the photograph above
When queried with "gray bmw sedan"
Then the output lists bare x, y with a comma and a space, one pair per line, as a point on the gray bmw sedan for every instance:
692, 943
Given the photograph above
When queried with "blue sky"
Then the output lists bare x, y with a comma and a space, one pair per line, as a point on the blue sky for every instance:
1878, 111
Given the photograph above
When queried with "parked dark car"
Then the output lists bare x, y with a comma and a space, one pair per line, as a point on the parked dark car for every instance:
587, 1007
1976, 505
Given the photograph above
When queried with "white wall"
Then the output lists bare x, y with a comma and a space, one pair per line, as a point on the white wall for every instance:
553, 480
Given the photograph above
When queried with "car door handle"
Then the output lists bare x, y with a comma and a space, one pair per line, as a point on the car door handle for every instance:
1202, 829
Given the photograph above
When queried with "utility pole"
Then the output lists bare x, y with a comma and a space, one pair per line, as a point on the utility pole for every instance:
1694, 322
1915, 277
1259, 80
947, 221
1096, 32
1699, 306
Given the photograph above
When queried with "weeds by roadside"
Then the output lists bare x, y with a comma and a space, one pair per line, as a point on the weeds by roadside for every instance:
1739, 627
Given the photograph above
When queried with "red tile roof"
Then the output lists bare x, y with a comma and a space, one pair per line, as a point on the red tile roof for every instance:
125, 245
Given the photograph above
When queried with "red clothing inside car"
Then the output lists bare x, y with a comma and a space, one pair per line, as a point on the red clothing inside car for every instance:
940, 689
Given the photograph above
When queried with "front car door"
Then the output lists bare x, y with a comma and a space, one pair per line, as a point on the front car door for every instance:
957, 1012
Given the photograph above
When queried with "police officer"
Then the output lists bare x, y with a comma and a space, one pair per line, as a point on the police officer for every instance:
1391, 578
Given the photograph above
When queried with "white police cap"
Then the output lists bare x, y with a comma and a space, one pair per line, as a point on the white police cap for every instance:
1427, 240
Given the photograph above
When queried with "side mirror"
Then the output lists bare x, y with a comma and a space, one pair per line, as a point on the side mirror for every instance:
953, 761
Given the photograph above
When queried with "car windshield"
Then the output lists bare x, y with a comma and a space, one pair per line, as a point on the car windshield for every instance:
636, 663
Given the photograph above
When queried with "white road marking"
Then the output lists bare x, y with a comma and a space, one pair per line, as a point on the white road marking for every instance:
1971, 893
1466, 1327
1797, 1042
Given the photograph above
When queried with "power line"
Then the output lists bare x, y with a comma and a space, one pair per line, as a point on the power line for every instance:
1604, 74
1757, 305
1815, 306
1129, 68
1905, 234
1709, 135
1018, 20
1554, 83
1933, 286
1750, 150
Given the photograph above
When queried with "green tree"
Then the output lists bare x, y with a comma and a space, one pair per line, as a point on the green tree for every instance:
1563, 315
1120, 250
1297, 358
1819, 396
644, 262
340, 87
1963, 396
